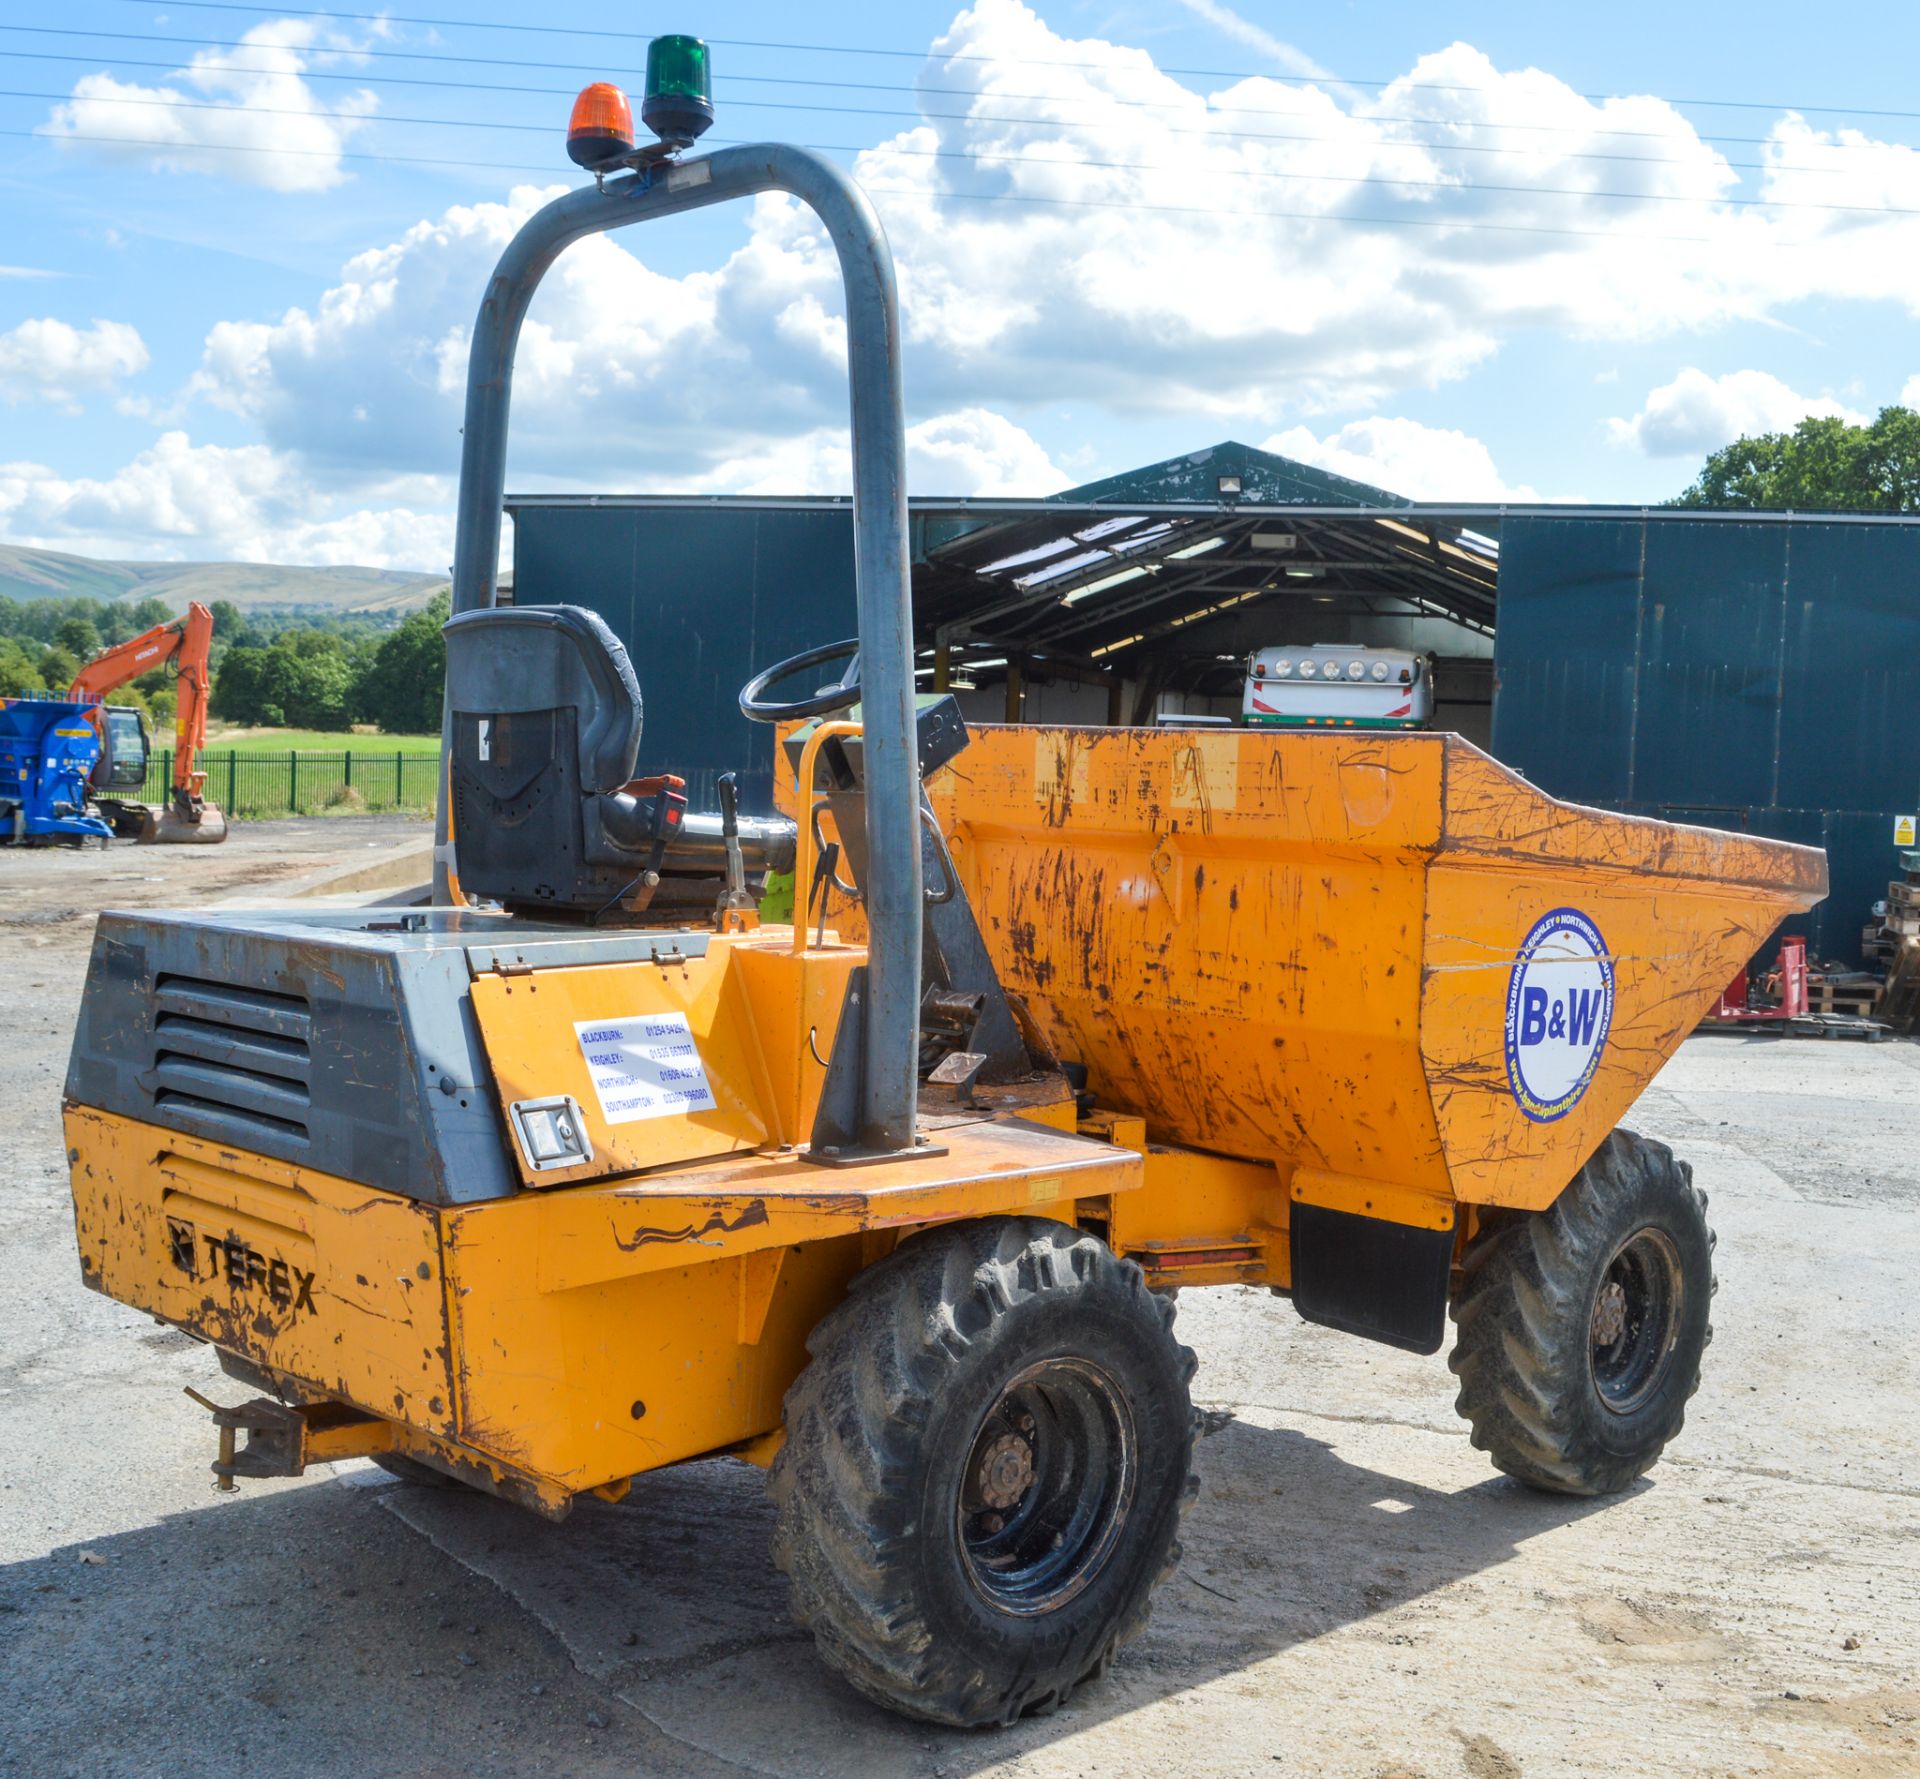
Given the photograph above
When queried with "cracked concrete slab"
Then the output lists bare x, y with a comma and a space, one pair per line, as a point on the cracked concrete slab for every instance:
1362, 1598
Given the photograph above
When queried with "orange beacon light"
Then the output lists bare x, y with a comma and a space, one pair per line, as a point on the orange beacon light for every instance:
601, 128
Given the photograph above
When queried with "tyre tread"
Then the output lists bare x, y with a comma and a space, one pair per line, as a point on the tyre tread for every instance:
838, 1484
1520, 1347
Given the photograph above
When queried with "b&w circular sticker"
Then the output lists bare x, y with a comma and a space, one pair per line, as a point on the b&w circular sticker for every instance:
1559, 1008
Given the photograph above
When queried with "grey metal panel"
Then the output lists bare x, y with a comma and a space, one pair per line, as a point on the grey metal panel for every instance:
703, 599
380, 1079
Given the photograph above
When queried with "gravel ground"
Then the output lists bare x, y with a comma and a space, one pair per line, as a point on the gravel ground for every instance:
1362, 1598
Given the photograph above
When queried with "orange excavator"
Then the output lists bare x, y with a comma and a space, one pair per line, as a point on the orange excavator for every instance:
187, 817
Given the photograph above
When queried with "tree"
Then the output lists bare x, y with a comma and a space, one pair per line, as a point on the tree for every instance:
79, 637
306, 679
57, 669
1823, 465
240, 686
316, 688
402, 687
19, 672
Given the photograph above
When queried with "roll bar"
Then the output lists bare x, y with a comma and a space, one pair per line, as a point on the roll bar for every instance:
893, 883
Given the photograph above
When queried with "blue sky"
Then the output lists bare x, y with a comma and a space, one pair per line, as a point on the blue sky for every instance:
1472, 252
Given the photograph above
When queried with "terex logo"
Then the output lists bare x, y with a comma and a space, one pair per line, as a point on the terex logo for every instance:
199, 1254
1559, 1009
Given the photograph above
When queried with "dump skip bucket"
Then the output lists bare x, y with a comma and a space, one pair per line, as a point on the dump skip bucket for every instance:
1383, 959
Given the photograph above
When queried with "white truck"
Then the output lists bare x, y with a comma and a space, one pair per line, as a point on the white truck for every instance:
1335, 685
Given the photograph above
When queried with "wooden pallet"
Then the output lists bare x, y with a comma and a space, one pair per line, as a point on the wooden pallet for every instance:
1900, 998
1857, 1001
1836, 1025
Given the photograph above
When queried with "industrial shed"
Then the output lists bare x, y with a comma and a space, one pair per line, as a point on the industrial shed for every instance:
1117, 602
1750, 671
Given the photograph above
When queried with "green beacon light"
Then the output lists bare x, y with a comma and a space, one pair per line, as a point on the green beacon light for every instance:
678, 107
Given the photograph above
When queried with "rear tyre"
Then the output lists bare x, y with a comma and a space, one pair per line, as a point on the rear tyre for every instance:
985, 1466
1581, 1327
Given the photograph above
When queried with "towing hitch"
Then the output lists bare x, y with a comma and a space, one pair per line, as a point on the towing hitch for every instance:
283, 1440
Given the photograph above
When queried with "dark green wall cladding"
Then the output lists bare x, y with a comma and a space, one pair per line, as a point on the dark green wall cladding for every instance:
703, 599
1760, 676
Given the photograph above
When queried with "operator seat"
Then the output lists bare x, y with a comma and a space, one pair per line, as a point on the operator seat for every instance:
546, 732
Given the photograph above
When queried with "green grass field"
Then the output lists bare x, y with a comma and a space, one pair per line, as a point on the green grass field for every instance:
262, 773
281, 741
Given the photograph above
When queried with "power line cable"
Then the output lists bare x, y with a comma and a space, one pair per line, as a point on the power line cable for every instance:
179, 147
923, 55
1314, 216
1027, 160
917, 116
442, 57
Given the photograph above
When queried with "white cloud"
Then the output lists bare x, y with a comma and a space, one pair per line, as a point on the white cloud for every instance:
976, 451
1072, 227
243, 114
1231, 256
1404, 457
1696, 413
49, 360
178, 501
1910, 393
1243, 30
973, 451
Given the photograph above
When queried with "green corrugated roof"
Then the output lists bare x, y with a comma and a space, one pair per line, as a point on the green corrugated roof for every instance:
1264, 479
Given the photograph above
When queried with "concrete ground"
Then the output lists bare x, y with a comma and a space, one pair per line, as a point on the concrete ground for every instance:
1363, 1598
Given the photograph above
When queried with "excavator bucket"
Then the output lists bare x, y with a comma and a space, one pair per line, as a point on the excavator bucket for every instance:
168, 827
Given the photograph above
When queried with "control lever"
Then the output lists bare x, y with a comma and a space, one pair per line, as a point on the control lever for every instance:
736, 903
824, 869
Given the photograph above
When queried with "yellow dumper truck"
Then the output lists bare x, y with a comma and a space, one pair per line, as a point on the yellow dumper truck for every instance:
584, 1171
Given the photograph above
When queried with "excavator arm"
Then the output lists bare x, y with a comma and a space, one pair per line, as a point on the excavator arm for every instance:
187, 642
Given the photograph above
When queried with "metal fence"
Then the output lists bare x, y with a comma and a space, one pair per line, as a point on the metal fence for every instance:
260, 784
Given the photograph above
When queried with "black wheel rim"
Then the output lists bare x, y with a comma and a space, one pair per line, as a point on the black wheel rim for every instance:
1048, 1484
1635, 1320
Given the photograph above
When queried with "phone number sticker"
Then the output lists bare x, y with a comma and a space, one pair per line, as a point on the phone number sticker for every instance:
644, 1067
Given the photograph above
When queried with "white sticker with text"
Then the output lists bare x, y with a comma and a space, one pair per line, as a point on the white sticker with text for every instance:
644, 1067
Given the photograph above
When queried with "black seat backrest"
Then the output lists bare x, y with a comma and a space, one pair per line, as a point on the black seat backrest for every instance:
533, 659
546, 720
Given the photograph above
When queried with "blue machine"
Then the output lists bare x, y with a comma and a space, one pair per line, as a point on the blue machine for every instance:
48, 750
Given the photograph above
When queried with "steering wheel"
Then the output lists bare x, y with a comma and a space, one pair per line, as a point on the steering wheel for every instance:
841, 695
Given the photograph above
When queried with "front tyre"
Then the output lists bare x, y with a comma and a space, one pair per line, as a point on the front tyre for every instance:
1581, 1327
984, 1470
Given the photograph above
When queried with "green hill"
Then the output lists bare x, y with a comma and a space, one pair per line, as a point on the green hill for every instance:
51, 574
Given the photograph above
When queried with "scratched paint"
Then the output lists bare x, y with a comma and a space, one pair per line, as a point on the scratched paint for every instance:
1297, 948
